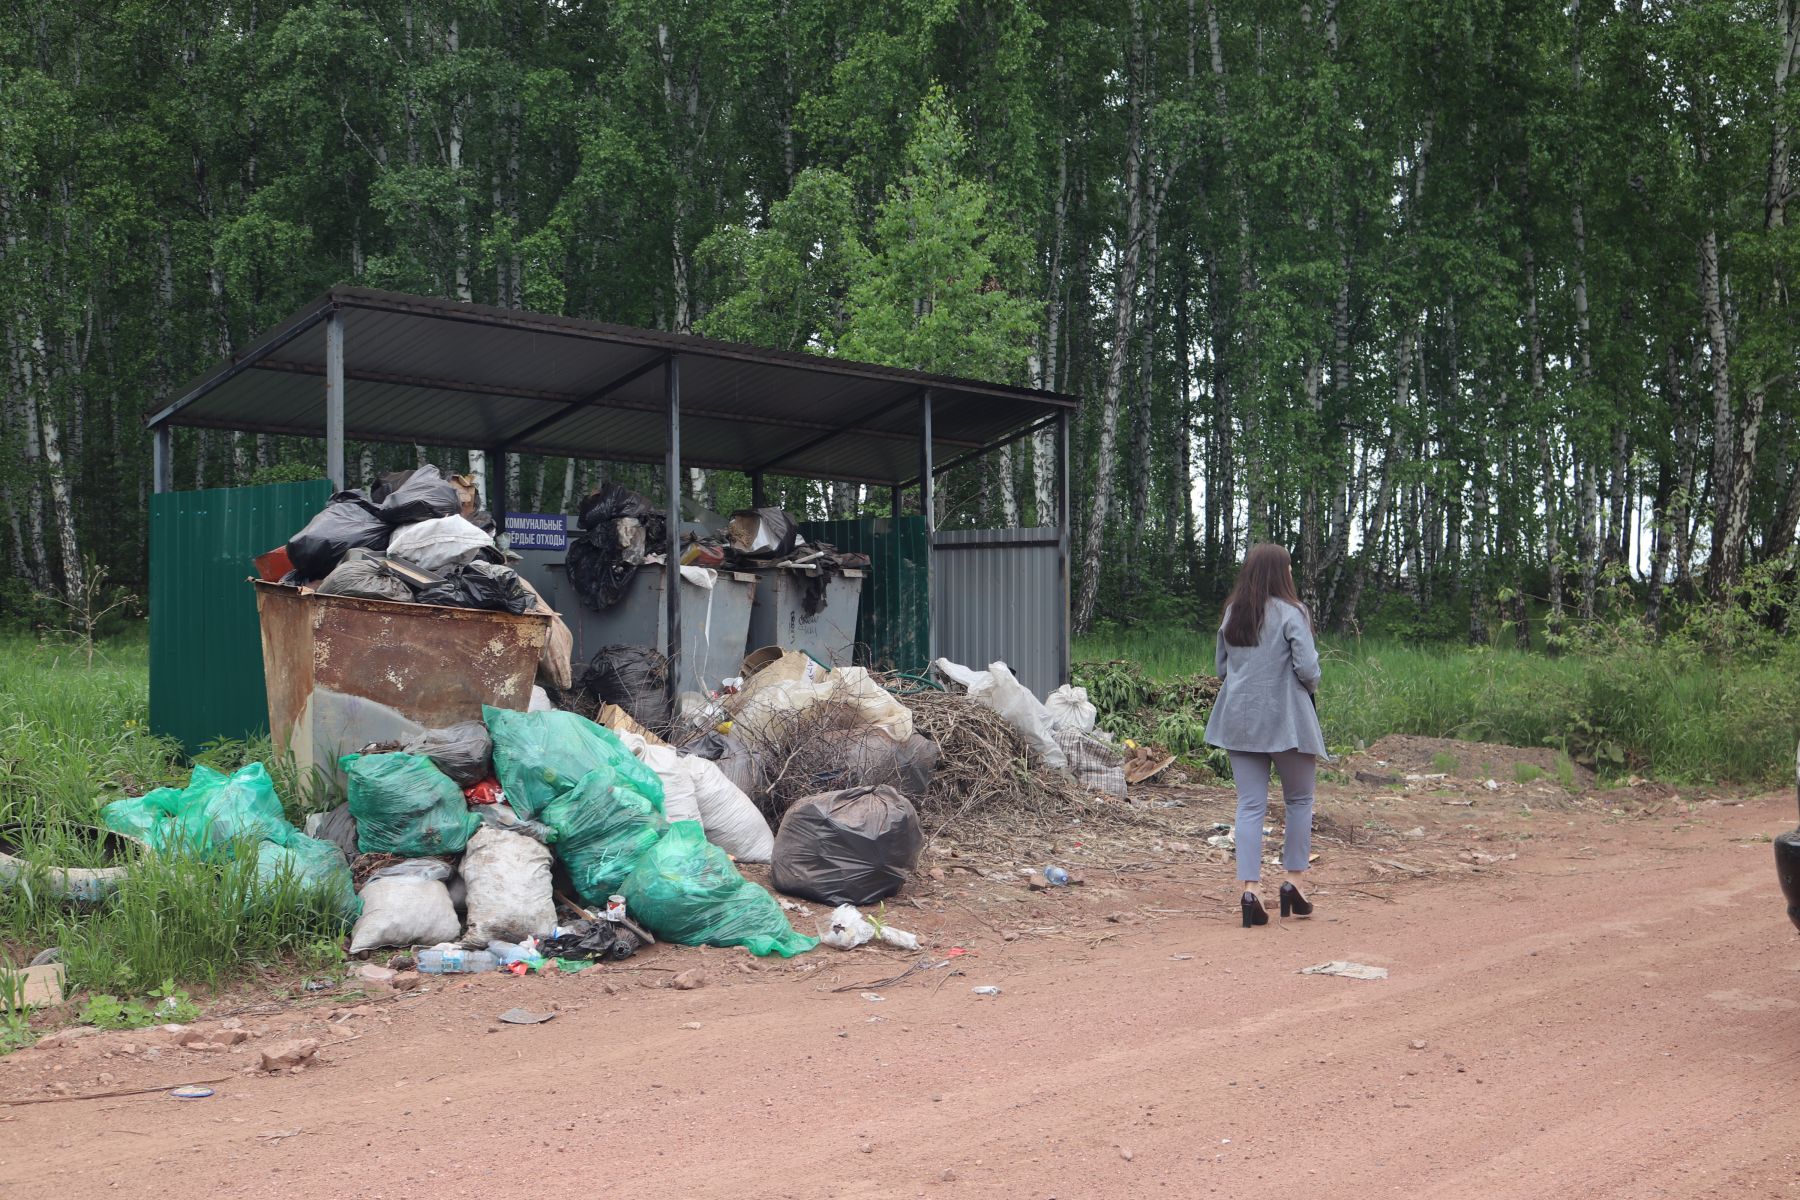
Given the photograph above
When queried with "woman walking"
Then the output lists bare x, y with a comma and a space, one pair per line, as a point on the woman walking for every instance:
1265, 717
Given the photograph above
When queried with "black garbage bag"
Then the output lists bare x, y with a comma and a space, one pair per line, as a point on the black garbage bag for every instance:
459, 751
851, 847
591, 941
482, 585
348, 521
610, 501
367, 578
867, 757
763, 533
601, 562
619, 528
636, 678
417, 496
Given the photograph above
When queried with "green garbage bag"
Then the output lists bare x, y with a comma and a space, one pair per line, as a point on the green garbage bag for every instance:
212, 813
539, 756
145, 817
314, 866
219, 810
686, 890
601, 832
405, 805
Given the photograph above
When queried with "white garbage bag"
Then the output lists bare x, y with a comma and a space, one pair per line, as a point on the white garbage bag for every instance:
999, 690
1070, 708
405, 910
440, 543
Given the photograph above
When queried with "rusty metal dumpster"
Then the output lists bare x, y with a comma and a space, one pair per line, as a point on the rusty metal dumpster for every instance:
779, 616
345, 672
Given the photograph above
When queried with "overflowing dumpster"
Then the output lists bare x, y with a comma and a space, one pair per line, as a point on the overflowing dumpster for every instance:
344, 672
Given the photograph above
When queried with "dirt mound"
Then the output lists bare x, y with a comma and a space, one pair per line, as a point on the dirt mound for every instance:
1404, 754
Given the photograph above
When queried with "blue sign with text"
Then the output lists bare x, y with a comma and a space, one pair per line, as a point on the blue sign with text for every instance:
537, 531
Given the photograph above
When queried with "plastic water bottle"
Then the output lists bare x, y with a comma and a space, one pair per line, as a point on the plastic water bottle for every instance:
456, 962
1057, 876
507, 953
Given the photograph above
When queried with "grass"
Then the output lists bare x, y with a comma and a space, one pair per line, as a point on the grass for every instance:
1671, 710
71, 740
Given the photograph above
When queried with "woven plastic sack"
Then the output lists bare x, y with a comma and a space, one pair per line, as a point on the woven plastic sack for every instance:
508, 880
404, 805
1070, 708
1095, 764
540, 755
314, 866
404, 910
601, 832
686, 890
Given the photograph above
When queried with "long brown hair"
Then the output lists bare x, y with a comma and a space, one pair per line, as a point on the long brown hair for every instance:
1267, 574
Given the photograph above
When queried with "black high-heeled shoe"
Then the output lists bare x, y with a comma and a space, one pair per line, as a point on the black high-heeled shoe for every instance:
1254, 912
1293, 903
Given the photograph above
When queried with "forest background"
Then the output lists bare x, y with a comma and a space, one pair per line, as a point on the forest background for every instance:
1480, 306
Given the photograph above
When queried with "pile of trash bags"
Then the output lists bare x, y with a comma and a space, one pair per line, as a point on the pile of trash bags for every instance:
622, 530
417, 537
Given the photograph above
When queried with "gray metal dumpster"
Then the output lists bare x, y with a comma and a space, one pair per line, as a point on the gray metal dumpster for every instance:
715, 621
778, 618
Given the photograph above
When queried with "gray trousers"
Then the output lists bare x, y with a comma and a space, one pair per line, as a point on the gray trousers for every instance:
1251, 774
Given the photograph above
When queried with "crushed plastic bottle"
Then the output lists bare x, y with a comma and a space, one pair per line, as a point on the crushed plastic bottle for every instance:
456, 962
1057, 876
507, 953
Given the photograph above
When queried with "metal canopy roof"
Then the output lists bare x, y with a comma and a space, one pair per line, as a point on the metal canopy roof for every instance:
452, 374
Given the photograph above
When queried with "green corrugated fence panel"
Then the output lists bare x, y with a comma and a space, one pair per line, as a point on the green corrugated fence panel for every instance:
206, 674
893, 619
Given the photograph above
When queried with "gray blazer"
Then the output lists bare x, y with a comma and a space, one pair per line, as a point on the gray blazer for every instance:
1265, 702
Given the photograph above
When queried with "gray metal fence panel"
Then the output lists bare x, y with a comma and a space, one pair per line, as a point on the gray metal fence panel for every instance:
997, 597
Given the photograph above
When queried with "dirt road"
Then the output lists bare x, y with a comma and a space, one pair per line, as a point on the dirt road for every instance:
1616, 1013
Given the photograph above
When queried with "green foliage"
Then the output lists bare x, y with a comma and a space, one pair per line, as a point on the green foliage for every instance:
284, 472
1170, 714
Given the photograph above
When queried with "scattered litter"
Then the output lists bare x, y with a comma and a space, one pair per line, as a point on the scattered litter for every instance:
873, 997
986, 990
191, 1093
1348, 970
1491, 785
1056, 876
1182, 957
519, 1016
1222, 841
35, 987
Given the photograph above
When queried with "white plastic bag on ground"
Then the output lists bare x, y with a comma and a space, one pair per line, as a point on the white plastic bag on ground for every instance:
731, 819
997, 689
404, 910
440, 543
845, 928
1070, 708
508, 877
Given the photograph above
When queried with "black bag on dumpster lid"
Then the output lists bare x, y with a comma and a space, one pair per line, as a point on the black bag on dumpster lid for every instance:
610, 501
421, 495
365, 577
347, 521
459, 751
856, 846
636, 678
763, 532
481, 585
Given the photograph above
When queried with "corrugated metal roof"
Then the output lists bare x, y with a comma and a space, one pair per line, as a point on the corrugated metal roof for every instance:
451, 374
